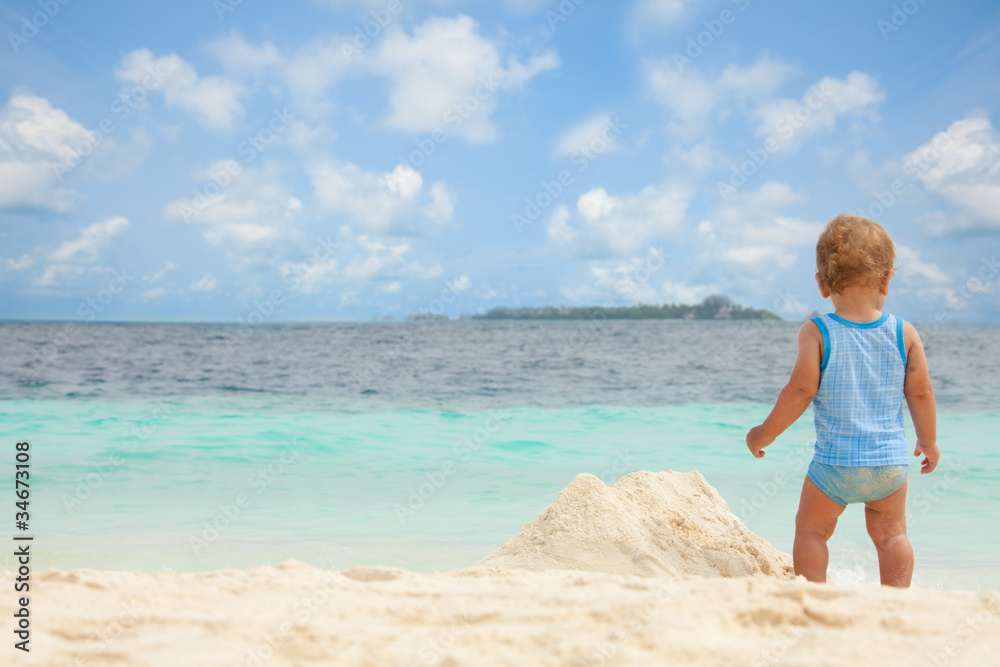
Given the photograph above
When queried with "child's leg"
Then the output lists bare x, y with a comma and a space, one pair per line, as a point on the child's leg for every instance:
814, 524
886, 521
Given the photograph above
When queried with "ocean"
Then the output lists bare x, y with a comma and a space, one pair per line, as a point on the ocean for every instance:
425, 445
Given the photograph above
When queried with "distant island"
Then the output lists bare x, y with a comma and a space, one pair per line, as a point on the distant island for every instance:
716, 307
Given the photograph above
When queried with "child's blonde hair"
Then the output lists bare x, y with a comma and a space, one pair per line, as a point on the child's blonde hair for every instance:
854, 251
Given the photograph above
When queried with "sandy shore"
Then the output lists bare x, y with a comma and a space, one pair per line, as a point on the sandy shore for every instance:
653, 570
295, 614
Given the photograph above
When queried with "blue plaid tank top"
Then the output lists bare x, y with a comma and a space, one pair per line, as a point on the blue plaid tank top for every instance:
858, 408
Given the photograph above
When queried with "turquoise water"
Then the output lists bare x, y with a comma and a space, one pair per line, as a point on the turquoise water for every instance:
210, 482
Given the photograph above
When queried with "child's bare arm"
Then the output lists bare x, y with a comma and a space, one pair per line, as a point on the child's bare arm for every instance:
797, 394
920, 399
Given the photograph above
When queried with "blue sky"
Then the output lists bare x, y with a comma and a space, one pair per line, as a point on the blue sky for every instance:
344, 160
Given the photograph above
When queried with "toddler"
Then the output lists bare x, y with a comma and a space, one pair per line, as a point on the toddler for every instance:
856, 365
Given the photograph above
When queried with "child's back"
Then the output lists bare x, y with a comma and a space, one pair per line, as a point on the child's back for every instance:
856, 366
858, 407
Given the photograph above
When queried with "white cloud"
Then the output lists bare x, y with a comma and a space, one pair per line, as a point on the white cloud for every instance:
310, 276
20, 264
447, 76
214, 100
751, 233
241, 57
380, 256
206, 283
680, 293
76, 258
915, 270
35, 138
659, 14
390, 202
392, 287
618, 225
309, 72
254, 207
86, 246
442, 204
789, 121
756, 256
622, 280
691, 97
314, 69
558, 230
54, 274
444, 75
758, 80
384, 259
152, 293
362, 259
597, 134
784, 231
161, 274
962, 165
695, 160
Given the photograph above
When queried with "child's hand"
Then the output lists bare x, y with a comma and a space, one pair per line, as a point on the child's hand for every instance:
757, 441
931, 457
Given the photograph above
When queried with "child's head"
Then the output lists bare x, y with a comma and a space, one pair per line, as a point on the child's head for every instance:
854, 251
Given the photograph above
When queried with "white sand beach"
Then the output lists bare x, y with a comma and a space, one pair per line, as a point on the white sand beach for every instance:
653, 570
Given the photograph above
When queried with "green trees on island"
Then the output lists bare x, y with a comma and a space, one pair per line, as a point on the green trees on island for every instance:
715, 307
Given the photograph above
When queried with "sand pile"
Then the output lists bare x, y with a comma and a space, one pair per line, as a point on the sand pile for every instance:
666, 523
